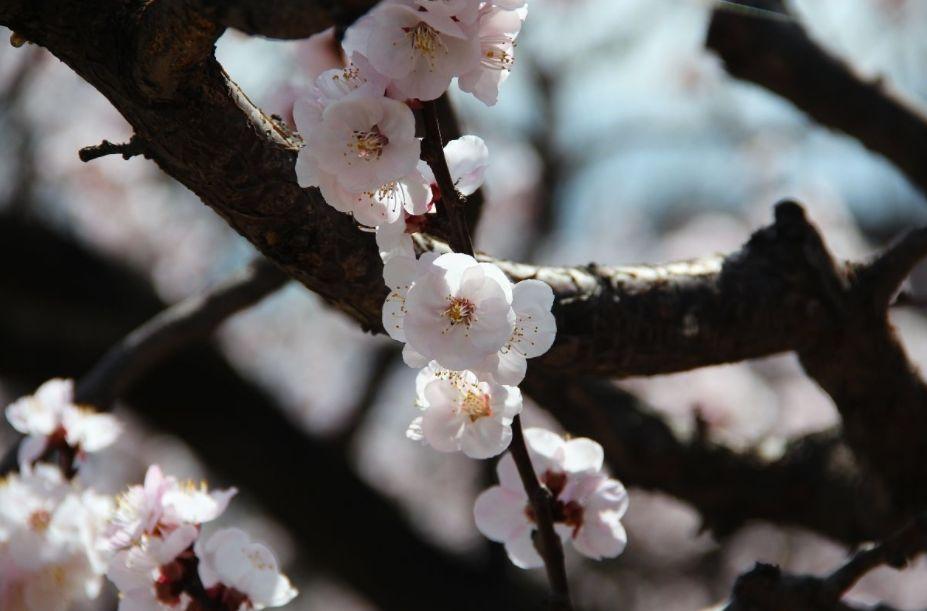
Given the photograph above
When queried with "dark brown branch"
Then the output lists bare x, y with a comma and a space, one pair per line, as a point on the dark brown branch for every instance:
287, 19
546, 540
815, 473
451, 199
180, 325
768, 588
779, 55
127, 149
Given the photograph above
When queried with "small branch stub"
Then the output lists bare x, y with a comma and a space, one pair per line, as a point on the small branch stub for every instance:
129, 149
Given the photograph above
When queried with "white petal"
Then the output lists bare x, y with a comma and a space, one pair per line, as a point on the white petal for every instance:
582, 455
521, 551
500, 513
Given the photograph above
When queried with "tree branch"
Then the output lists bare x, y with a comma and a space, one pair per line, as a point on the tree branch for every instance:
127, 149
767, 588
287, 19
180, 325
779, 55
815, 473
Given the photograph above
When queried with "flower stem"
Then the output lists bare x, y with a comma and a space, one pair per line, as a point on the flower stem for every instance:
433, 153
546, 540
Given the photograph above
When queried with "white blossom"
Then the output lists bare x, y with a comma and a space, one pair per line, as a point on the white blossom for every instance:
534, 333
588, 505
161, 505
49, 541
51, 416
464, 413
458, 311
498, 29
420, 48
467, 160
230, 562
149, 575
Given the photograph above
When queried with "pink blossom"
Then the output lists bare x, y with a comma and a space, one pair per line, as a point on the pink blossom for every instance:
498, 29
421, 49
50, 416
587, 509
230, 562
458, 311
464, 413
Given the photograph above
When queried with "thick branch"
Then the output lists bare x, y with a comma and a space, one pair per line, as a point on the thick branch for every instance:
815, 474
287, 18
187, 322
767, 588
779, 55
180, 325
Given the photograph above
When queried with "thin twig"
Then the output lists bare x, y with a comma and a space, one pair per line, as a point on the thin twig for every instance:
129, 149
433, 151
547, 542
172, 329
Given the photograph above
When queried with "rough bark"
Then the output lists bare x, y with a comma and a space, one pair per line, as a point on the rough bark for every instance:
778, 54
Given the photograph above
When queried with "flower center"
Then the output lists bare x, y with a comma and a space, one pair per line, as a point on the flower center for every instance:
39, 520
476, 405
426, 40
460, 311
368, 145
569, 513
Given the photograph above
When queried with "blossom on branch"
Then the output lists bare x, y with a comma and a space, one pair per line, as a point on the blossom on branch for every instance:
420, 46
52, 421
498, 29
49, 530
161, 505
153, 574
587, 504
464, 413
459, 311
232, 567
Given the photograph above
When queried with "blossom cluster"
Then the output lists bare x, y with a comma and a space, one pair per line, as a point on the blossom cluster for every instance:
464, 324
58, 537
361, 149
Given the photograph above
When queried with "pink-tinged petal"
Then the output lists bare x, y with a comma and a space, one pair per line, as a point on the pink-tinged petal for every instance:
545, 445
510, 367
582, 455
442, 424
412, 358
537, 330
467, 159
89, 430
394, 313
494, 323
528, 293
30, 449
493, 272
521, 551
389, 48
176, 542
500, 514
601, 537
485, 438
508, 476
